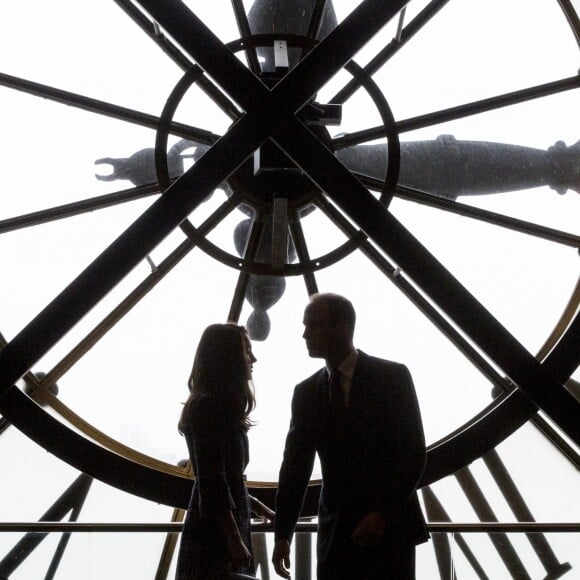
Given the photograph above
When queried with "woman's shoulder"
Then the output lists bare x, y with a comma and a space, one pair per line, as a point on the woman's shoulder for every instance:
208, 411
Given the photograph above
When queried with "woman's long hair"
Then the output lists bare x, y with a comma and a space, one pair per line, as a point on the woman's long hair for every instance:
221, 369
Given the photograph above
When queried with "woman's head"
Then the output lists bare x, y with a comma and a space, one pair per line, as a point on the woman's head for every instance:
224, 351
222, 367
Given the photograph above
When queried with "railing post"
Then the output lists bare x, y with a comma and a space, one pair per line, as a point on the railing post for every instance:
303, 555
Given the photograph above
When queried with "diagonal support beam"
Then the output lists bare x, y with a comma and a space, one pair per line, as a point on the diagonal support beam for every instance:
108, 269
183, 196
300, 84
430, 275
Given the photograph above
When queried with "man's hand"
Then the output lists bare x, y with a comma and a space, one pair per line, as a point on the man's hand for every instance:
281, 558
370, 530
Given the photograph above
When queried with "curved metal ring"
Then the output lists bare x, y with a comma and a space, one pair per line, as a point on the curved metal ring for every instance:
162, 168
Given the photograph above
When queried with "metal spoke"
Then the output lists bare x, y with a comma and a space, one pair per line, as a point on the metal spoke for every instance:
335, 50
501, 418
391, 49
149, 27
489, 104
126, 305
76, 208
572, 17
484, 215
244, 278
211, 169
107, 109
399, 280
449, 331
491, 217
152, 30
316, 18
108, 269
460, 112
245, 32
207, 50
323, 62
302, 251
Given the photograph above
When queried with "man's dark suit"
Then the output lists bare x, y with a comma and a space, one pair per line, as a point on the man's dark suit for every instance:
374, 467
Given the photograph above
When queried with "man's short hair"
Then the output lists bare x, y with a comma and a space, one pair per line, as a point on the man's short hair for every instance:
339, 307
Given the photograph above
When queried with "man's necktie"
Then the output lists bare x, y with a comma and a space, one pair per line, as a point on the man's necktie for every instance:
337, 404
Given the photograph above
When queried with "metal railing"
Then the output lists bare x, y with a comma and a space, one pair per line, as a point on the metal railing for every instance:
455, 549
167, 527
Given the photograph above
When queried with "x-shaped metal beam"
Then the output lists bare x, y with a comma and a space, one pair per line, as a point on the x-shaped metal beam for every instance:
228, 153
272, 114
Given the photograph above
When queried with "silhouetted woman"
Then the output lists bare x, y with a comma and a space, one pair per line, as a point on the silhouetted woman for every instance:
216, 539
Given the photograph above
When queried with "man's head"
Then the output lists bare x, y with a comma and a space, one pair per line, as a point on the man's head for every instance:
329, 321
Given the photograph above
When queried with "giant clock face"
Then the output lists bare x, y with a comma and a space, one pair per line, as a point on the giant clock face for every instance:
160, 174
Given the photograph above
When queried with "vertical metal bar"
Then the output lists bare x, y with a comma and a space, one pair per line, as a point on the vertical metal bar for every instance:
244, 277
169, 547
315, 21
281, 62
303, 556
302, 251
279, 232
170, 543
261, 554
400, 24
436, 513
245, 32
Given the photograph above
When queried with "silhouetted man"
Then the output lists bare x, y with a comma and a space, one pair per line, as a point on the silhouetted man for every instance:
360, 414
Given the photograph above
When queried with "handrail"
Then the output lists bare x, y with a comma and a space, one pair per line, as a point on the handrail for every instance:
435, 527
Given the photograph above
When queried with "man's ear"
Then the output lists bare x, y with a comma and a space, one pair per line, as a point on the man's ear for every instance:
343, 327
